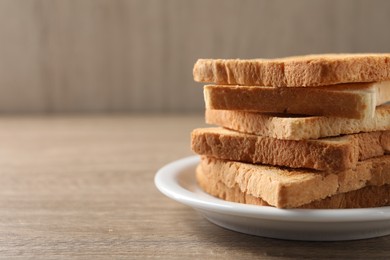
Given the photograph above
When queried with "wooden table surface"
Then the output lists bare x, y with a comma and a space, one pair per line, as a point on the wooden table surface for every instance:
82, 187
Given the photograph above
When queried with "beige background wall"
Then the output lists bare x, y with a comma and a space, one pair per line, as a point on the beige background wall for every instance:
137, 55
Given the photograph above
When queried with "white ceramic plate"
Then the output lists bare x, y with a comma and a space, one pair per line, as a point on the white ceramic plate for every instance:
177, 181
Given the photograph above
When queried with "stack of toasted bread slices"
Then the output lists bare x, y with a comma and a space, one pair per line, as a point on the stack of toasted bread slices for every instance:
298, 132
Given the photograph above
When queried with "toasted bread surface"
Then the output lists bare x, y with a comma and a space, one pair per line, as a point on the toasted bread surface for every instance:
347, 100
292, 127
287, 188
299, 71
327, 154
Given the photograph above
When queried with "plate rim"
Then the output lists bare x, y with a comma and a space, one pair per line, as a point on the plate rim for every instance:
166, 181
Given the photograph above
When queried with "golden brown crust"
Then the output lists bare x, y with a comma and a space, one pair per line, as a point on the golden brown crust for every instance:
328, 154
283, 188
297, 128
301, 71
372, 144
345, 100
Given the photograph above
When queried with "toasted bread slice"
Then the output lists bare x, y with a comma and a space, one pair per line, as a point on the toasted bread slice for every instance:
366, 197
290, 127
300, 71
289, 188
356, 100
327, 154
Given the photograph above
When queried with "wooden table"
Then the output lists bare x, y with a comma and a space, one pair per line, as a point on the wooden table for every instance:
82, 186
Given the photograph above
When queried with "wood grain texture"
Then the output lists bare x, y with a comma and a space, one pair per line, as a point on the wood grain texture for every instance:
82, 187
137, 55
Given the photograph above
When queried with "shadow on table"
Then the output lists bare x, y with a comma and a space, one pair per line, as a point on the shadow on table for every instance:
255, 246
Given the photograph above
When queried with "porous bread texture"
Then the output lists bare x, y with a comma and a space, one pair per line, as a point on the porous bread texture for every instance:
295, 127
356, 100
288, 188
327, 154
299, 71
366, 197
